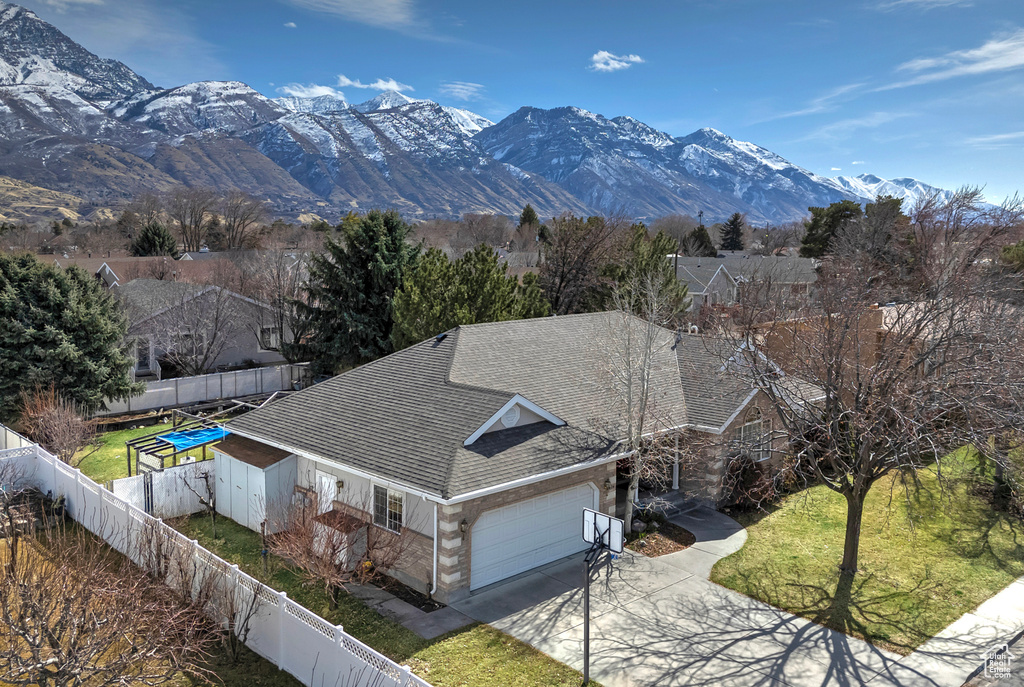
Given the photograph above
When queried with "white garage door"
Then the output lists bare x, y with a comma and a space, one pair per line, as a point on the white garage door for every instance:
510, 540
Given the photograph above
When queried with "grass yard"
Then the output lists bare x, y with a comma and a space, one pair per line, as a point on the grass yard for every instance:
106, 455
475, 655
935, 555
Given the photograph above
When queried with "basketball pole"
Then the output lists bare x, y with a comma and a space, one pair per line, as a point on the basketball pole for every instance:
586, 620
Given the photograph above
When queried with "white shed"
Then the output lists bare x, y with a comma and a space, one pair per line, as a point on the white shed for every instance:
252, 479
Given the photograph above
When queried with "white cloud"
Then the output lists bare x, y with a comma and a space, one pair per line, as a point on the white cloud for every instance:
604, 61
312, 90
389, 14
462, 90
291, 25
844, 128
996, 139
888, 5
1002, 52
378, 85
858, 162
63, 5
837, 169
823, 103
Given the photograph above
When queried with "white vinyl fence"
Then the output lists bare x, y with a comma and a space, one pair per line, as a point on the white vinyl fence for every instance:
168, 493
9, 439
168, 393
285, 633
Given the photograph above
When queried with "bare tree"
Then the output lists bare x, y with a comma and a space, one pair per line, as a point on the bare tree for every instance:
476, 229
640, 343
76, 613
241, 213
275, 278
335, 547
198, 326
772, 240
56, 423
573, 258
862, 391
191, 209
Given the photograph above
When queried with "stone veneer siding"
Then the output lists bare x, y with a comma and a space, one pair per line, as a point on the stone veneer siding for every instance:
454, 571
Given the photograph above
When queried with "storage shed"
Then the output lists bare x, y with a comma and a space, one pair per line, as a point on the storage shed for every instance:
252, 478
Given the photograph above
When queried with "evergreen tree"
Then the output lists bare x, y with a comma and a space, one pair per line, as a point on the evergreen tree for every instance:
439, 294
154, 239
824, 224
1013, 256
350, 290
528, 217
646, 268
732, 232
61, 327
698, 244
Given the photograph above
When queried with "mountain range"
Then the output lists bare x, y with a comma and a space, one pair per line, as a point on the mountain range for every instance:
93, 129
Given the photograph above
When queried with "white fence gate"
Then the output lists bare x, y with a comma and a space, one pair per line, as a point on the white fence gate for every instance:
168, 393
171, 492
282, 631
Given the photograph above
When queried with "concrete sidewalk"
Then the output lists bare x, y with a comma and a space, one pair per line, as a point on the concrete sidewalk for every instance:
659, 621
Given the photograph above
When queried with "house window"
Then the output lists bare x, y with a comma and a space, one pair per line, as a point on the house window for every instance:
387, 508
754, 436
189, 343
270, 338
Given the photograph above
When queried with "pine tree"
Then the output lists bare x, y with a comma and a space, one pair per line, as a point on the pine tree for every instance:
350, 291
824, 224
646, 266
439, 294
154, 239
61, 327
732, 232
528, 217
698, 244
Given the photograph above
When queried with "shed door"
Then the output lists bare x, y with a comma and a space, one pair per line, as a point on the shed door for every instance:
513, 539
239, 492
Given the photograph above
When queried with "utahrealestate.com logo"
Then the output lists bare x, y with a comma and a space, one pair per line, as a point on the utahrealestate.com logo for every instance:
998, 661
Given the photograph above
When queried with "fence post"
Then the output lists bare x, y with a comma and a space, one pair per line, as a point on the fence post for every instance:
282, 601
406, 673
175, 391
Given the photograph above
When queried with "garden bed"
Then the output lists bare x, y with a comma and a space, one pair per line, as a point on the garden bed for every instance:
668, 538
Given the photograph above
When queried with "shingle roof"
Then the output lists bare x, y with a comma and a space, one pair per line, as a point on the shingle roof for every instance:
405, 417
713, 395
143, 298
780, 269
697, 273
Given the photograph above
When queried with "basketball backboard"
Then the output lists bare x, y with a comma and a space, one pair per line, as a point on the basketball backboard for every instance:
607, 531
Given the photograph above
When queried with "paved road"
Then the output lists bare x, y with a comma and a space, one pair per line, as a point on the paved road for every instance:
661, 622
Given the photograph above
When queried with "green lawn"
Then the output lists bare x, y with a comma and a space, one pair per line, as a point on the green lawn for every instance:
476, 655
935, 555
105, 458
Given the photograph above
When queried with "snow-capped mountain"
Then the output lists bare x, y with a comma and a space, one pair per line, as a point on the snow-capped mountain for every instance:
92, 128
910, 190
33, 52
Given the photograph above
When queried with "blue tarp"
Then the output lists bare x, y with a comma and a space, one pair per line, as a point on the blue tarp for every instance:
196, 437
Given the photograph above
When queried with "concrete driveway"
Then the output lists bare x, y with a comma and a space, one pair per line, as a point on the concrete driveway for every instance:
659, 621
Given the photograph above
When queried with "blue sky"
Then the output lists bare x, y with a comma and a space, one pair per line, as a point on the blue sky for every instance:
932, 89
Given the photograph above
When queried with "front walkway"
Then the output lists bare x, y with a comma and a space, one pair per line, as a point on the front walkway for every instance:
659, 621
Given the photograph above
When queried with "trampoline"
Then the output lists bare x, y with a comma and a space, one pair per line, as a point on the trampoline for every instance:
182, 441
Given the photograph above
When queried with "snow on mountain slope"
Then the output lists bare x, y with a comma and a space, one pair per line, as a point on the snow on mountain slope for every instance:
869, 187
202, 106
469, 122
385, 101
321, 104
35, 52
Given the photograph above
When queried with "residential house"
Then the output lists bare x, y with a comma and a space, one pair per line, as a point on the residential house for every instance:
483, 445
196, 328
721, 281
707, 281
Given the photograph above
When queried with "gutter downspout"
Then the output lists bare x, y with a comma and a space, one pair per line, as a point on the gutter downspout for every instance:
433, 588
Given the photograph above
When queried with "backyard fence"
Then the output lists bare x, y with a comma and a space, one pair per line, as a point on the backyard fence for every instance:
9, 439
169, 393
171, 492
285, 633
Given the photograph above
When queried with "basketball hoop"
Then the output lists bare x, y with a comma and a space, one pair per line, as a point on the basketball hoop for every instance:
603, 533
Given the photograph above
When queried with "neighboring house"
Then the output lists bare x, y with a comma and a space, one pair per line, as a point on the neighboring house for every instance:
196, 328
115, 271
707, 281
483, 444
788, 281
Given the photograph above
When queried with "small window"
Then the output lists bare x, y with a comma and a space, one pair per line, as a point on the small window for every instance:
142, 360
270, 338
754, 436
387, 508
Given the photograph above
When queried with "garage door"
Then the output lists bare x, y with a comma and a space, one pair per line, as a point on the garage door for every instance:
510, 540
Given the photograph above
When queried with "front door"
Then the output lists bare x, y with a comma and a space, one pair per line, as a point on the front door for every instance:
326, 491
